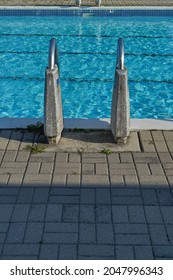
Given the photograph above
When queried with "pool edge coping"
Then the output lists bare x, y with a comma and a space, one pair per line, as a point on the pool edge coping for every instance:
86, 8
93, 123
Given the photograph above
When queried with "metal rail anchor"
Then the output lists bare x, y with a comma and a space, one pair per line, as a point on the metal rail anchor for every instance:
53, 116
120, 112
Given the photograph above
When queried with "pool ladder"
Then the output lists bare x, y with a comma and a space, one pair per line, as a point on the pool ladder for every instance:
79, 2
53, 113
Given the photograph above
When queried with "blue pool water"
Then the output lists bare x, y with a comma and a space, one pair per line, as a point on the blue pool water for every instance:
87, 55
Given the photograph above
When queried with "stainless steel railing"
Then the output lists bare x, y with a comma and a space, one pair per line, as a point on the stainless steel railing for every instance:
53, 54
120, 54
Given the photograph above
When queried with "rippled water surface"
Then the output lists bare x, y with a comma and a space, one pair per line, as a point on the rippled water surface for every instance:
87, 56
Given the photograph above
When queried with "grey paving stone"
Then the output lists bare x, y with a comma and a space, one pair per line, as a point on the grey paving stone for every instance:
60, 227
131, 181
143, 253
127, 200
129, 192
122, 169
169, 230
164, 197
168, 135
103, 196
95, 180
22, 156
87, 196
87, 233
114, 158
59, 180
49, 252
94, 158
60, 238
74, 157
153, 180
161, 146
124, 253
136, 214
65, 191
15, 179
3, 143
44, 178
40, 195
105, 234
46, 167
10, 156
153, 215
2, 237
16, 233
67, 252
33, 233
53, 213
149, 196
4, 227
142, 169
73, 180
157, 135
163, 252
170, 180
11, 170
158, 235
6, 212
42, 157
88, 168
21, 250
170, 146
4, 179
7, 199
87, 214
167, 213
9, 191
145, 157
165, 157
33, 167
126, 157
145, 135
61, 157
25, 195
67, 168
117, 181
101, 169
37, 213
103, 214
132, 239
130, 228
120, 214
67, 199
14, 144
70, 213
156, 169
20, 213
96, 250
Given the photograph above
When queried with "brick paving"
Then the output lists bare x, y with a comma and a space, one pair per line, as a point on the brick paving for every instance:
81, 205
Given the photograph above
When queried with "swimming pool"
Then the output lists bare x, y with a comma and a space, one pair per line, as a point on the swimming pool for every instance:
87, 55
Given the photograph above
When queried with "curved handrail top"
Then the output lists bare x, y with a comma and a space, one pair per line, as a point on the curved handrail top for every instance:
120, 54
53, 53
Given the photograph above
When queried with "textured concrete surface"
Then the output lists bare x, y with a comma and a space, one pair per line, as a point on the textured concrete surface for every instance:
86, 205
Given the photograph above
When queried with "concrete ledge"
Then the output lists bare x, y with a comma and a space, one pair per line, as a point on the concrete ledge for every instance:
100, 123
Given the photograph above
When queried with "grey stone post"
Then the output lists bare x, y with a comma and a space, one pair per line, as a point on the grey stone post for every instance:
120, 113
53, 116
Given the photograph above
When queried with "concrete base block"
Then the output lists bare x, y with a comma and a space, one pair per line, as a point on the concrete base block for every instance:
54, 140
120, 115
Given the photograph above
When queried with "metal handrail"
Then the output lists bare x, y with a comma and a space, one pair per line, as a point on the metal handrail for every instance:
120, 54
53, 54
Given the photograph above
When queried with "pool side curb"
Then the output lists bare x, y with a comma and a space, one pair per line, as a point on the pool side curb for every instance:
93, 123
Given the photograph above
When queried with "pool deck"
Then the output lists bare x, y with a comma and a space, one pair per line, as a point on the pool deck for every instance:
61, 204
86, 3
86, 198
